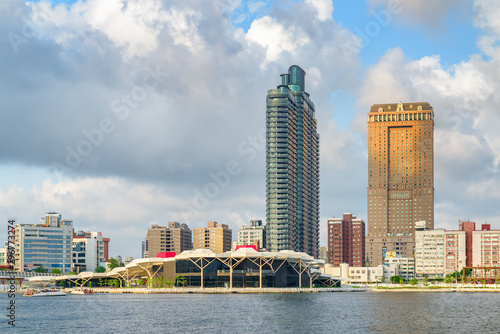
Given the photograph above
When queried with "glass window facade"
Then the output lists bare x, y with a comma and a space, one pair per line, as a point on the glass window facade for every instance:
292, 167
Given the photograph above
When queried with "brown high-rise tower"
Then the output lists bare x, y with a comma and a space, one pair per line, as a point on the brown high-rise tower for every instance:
400, 176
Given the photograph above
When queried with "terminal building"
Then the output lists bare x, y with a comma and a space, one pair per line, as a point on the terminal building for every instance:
243, 268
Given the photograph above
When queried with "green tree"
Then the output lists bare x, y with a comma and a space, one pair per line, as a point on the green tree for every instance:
413, 281
180, 281
71, 273
100, 269
56, 271
396, 279
40, 269
113, 263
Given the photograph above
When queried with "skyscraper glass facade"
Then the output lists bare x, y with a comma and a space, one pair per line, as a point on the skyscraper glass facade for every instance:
292, 167
48, 244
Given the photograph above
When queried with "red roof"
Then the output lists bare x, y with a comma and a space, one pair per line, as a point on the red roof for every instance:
165, 255
246, 246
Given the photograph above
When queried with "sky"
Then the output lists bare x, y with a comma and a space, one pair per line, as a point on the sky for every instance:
120, 114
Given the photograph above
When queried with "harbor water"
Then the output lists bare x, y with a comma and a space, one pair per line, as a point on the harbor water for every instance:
367, 312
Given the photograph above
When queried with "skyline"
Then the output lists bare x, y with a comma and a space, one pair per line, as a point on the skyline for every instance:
167, 105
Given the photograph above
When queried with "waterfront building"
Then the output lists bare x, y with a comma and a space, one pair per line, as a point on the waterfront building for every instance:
47, 244
400, 173
439, 252
346, 241
292, 167
175, 237
216, 237
406, 265
252, 234
468, 227
378, 246
88, 250
486, 248
244, 268
363, 275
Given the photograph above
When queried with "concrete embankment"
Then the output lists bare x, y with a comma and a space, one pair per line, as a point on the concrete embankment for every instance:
433, 290
221, 290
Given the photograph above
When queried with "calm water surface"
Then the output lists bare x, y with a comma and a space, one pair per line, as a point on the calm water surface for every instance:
371, 312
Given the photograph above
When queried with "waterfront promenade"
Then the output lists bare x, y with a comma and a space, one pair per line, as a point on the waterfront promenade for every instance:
455, 287
219, 290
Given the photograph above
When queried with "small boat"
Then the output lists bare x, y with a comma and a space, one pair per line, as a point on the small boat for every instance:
82, 292
44, 293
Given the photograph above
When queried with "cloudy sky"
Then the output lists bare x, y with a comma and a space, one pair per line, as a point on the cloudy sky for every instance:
123, 113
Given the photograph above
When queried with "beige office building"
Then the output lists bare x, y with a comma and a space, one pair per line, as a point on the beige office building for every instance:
175, 237
439, 252
377, 247
216, 237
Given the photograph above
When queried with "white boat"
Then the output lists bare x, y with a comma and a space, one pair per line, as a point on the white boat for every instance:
82, 292
44, 293
49, 294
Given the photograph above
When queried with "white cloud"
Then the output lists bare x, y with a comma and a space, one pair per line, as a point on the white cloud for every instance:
487, 189
487, 15
183, 27
324, 8
275, 38
384, 82
133, 24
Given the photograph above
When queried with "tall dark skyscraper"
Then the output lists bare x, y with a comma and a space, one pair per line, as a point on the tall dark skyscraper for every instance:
292, 167
400, 176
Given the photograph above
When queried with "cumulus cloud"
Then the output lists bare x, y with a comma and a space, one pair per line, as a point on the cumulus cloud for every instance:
487, 15
275, 37
324, 8
120, 209
134, 106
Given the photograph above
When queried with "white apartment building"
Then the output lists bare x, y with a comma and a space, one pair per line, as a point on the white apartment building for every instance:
439, 252
364, 275
406, 265
88, 251
248, 234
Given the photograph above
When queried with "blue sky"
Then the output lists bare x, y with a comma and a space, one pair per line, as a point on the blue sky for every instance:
159, 96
